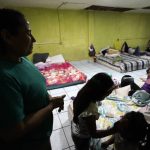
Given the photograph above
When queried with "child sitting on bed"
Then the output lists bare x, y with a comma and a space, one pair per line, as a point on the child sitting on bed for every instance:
85, 111
134, 133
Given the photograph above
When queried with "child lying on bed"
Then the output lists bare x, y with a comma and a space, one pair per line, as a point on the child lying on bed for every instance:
110, 51
128, 80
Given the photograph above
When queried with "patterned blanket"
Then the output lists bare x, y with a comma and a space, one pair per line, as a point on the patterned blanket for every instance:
111, 111
61, 74
126, 64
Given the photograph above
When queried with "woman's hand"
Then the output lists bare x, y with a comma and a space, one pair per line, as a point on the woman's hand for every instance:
58, 102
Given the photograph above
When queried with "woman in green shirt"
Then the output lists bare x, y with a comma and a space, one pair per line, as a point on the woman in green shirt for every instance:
26, 117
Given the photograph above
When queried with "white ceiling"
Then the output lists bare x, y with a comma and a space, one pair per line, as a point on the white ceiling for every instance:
78, 4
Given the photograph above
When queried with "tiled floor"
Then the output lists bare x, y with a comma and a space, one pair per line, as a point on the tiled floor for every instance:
61, 136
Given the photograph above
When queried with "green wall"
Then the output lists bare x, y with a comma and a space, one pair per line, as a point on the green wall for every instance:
69, 32
133, 28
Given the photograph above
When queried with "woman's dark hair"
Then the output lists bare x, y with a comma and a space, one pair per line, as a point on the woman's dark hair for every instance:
95, 89
137, 129
10, 20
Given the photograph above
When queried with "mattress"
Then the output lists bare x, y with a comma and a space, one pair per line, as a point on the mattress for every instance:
60, 75
127, 63
110, 111
145, 57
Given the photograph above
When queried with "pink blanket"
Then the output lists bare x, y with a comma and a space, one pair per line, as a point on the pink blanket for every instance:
61, 73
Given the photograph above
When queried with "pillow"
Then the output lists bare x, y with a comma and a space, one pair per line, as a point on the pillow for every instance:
55, 59
40, 57
113, 51
131, 51
122, 91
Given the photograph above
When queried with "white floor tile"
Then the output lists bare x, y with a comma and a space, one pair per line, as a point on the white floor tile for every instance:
72, 148
67, 131
58, 140
72, 93
60, 94
71, 88
80, 85
56, 122
67, 97
57, 91
55, 111
64, 119
66, 103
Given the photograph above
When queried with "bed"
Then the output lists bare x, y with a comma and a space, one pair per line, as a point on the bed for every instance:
60, 73
143, 57
113, 107
125, 63
146, 57
110, 111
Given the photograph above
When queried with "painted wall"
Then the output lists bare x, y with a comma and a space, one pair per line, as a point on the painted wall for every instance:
132, 28
69, 32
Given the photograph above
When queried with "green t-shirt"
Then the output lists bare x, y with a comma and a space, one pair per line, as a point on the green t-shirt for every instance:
22, 92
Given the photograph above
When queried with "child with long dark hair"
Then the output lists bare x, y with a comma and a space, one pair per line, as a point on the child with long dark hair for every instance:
134, 133
86, 113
